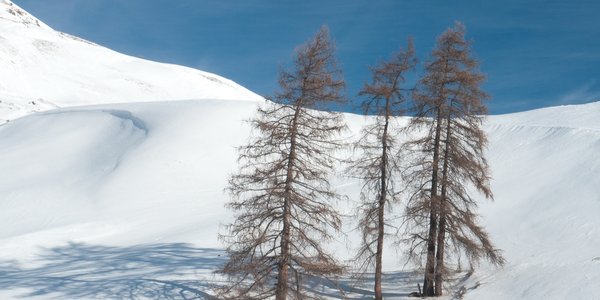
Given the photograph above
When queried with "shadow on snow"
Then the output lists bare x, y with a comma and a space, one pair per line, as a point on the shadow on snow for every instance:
155, 271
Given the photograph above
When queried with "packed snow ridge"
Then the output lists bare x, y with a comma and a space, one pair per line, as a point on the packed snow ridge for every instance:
43, 69
125, 200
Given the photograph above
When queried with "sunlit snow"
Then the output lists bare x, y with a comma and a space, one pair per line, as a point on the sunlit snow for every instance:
124, 201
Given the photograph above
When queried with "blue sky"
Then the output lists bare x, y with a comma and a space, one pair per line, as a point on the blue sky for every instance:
535, 53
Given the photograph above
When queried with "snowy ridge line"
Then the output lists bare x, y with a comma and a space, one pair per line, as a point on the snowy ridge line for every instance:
117, 113
127, 115
22, 16
547, 127
68, 71
72, 37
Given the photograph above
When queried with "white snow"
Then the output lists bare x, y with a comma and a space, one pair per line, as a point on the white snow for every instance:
129, 180
545, 165
43, 68
125, 200
111, 186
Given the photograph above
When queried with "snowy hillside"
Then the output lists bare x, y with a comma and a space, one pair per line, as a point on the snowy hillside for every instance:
117, 200
42, 69
118, 193
546, 166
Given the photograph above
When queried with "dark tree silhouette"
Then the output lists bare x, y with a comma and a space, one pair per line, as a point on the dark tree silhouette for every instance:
448, 161
378, 164
281, 196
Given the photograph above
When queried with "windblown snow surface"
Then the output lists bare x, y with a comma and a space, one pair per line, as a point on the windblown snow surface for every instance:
125, 201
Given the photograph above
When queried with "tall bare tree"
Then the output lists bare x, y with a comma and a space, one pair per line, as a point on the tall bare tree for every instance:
281, 196
450, 159
378, 166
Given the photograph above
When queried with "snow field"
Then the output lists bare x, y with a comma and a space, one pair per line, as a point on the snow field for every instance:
125, 201
117, 177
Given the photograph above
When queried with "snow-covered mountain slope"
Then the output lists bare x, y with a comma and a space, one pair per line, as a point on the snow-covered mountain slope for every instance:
41, 69
124, 201
546, 168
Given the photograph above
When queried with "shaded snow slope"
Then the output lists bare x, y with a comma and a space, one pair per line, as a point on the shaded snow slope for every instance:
42, 68
118, 200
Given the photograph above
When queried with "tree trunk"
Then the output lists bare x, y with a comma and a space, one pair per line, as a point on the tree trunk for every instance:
283, 272
284, 263
379, 254
381, 208
439, 256
441, 238
428, 282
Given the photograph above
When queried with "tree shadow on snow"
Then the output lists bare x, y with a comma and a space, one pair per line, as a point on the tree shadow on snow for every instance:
156, 271
396, 285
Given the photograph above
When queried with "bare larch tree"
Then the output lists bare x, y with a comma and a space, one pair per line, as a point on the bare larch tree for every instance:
378, 164
281, 195
449, 158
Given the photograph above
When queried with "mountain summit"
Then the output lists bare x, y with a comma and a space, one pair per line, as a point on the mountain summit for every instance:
43, 68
